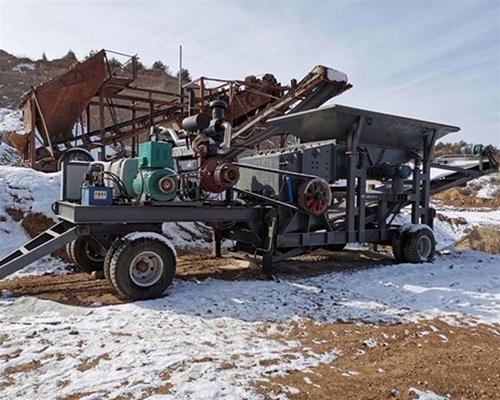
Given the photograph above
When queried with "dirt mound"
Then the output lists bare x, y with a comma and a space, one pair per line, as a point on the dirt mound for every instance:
465, 198
483, 192
482, 239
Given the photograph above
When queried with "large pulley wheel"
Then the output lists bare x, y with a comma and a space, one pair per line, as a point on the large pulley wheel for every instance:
419, 244
315, 196
218, 175
141, 268
84, 256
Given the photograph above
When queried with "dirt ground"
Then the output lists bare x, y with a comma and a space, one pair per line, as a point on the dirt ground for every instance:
374, 362
86, 290
462, 362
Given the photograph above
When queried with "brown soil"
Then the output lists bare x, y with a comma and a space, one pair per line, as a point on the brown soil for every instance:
36, 223
459, 361
482, 239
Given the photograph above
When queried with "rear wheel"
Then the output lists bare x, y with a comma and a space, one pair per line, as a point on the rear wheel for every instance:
109, 255
420, 245
84, 256
141, 268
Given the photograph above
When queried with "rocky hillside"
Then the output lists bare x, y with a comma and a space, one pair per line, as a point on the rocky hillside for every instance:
19, 74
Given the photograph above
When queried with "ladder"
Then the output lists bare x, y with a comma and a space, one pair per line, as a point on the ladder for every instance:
45, 243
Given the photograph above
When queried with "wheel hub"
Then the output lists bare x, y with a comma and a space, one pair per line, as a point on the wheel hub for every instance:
146, 269
424, 247
92, 254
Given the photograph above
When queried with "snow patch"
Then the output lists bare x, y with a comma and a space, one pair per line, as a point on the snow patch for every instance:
23, 67
427, 395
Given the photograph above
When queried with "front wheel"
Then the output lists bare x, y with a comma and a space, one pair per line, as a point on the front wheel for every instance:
141, 267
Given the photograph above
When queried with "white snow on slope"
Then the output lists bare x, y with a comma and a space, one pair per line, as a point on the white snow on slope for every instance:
28, 191
23, 67
427, 395
8, 155
489, 186
11, 120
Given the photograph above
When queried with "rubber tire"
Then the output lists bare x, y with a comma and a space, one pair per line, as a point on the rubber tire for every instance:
411, 245
123, 255
398, 248
107, 260
78, 253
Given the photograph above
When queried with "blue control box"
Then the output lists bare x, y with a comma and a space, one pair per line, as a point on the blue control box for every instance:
97, 196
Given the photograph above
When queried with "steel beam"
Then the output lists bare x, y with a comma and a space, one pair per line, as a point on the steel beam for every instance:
172, 212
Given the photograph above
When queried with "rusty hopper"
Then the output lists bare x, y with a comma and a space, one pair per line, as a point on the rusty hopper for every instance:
56, 106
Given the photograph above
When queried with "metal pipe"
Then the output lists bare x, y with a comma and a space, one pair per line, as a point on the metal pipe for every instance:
180, 74
226, 142
174, 136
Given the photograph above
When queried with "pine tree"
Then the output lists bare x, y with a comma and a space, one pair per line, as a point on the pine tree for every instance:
185, 75
160, 65
70, 55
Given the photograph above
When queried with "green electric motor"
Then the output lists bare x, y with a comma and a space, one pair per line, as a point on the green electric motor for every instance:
155, 179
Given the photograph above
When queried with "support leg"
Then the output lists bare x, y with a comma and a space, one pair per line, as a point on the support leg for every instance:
217, 244
267, 265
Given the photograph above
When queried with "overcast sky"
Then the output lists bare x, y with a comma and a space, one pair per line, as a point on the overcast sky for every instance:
434, 60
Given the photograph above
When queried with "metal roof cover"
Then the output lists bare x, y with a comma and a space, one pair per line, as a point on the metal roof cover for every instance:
380, 130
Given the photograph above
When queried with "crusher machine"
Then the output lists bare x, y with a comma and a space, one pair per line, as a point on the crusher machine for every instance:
346, 178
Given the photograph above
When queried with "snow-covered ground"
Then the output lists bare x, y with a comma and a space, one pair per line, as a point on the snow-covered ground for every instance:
188, 338
210, 339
